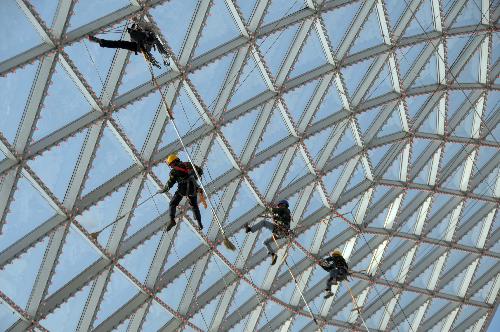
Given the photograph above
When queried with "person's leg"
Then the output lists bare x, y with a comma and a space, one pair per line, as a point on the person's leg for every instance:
124, 44
193, 200
262, 224
173, 208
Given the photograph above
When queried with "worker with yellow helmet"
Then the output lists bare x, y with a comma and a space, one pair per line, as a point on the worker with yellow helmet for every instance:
184, 175
336, 265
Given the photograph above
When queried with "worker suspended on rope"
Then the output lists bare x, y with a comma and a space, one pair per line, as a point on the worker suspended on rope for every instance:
143, 38
336, 265
183, 174
280, 226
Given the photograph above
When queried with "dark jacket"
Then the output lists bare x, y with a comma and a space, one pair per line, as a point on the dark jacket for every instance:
183, 174
332, 262
145, 38
282, 218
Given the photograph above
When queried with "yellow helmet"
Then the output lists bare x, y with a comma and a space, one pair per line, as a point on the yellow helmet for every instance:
336, 253
171, 158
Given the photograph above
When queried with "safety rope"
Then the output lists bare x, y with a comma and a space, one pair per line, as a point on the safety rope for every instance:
355, 306
296, 282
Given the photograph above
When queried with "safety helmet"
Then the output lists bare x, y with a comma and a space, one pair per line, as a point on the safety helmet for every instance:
171, 158
336, 253
283, 202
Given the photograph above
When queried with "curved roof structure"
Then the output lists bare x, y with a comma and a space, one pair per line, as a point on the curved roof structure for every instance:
378, 120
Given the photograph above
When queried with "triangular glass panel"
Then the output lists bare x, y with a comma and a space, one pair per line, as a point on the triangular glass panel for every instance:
148, 211
286, 292
483, 157
382, 84
415, 103
450, 152
366, 119
469, 15
453, 287
274, 47
67, 316
422, 21
246, 8
214, 271
64, 103
423, 176
394, 170
417, 148
92, 61
281, 8
119, 291
378, 194
346, 142
110, 159
393, 272
14, 91
88, 11
315, 203
395, 9
487, 187
430, 123
373, 322
485, 265
393, 124
11, 17
156, 318
439, 231
263, 174
243, 202
311, 56
139, 260
296, 170
175, 17
407, 56
438, 202
455, 179
330, 105
472, 236
422, 280
298, 99
101, 214
185, 241
456, 98
76, 255
315, 144
209, 89
55, 167
349, 209
137, 72
46, 9
465, 312
217, 163
136, 119
338, 21
470, 209
454, 258
436, 306
330, 179
484, 292
8, 316
219, 28
250, 83
172, 294
357, 177
205, 315
429, 74
188, 120
354, 74
275, 131
238, 131
470, 72
18, 277
242, 294
378, 153
455, 46
370, 34
28, 210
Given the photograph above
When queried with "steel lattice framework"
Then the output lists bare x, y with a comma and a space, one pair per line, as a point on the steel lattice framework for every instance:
344, 197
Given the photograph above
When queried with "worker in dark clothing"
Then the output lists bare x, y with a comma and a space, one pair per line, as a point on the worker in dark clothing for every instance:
184, 175
142, 39
336, 265
280, 226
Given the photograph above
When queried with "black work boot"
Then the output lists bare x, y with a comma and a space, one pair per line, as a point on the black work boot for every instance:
328, 294
274, 257
171, 224
248, 229
200, 225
